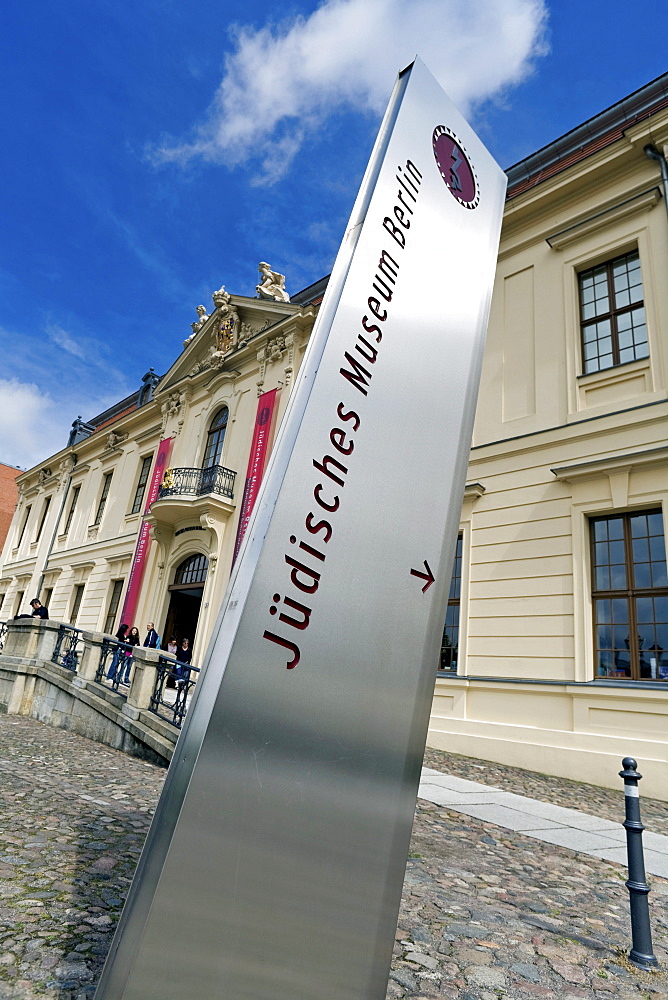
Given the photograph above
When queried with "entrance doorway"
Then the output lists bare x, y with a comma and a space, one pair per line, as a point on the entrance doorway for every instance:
186, 600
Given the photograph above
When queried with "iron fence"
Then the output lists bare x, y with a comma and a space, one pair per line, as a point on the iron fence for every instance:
197, 482
66, 652
120, 657
172, 691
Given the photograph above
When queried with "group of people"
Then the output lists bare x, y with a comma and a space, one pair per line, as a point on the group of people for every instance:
129, 636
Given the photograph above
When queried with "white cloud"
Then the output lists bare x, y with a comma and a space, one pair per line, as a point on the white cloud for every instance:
65, 340
283, 80
30, 426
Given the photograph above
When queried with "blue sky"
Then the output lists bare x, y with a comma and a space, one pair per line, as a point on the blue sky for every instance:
155, 151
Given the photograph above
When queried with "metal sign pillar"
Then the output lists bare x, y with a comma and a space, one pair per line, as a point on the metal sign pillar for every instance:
274, 866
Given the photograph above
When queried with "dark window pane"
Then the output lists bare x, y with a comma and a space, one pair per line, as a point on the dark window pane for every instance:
631, 628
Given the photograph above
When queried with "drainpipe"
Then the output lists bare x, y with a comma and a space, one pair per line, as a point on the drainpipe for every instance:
654, 154
55, 527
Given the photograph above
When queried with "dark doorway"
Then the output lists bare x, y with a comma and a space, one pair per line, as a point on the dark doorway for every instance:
183, 613
185, 600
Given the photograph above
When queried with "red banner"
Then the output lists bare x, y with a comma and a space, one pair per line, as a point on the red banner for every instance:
256, 462
144, 540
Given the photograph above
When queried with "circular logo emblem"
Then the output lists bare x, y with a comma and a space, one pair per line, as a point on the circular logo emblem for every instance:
264, 416
455, 167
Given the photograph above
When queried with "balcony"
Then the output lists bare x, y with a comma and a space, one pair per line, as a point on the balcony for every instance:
194, 493
198, 482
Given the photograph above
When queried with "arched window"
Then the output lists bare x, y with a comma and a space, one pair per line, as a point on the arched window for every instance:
192, 570
215, 438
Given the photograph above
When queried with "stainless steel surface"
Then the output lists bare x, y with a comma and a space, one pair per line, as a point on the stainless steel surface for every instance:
274, 867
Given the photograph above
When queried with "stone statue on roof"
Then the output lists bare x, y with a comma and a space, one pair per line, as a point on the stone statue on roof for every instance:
272, 284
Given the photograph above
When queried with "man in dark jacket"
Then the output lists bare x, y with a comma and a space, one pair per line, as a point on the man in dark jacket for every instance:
38, 609
152, 639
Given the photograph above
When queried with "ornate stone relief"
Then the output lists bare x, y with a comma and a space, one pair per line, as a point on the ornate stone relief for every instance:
64, 469
113, 440
272, 352
230, 332
271, 285
43, 476
173, 406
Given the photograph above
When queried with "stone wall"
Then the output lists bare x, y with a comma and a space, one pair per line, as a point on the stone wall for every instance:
32, 684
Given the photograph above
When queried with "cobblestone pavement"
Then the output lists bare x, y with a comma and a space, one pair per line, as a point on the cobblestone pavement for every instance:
486, 913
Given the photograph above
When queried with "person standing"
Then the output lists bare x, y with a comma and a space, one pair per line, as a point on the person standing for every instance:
152, 640
118, 653
133, 639
183, 657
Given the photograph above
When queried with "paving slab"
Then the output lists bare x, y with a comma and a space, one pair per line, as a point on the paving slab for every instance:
545, 821
513, 819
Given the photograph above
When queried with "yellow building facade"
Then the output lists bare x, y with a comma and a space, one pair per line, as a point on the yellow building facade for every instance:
562, 661
555, 651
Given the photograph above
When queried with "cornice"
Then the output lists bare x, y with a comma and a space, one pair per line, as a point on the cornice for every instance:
624, 462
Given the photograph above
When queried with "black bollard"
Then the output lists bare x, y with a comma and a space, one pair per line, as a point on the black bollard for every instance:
641, 954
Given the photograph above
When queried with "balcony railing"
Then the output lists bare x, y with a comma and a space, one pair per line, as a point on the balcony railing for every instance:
198, 482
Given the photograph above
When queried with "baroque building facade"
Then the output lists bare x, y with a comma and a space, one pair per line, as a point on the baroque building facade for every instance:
555, 650
86, 536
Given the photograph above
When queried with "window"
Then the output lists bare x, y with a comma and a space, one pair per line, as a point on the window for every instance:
103, 497
24, 525
450, 641
45, 511
612, 315
630, 596
70, 514
48, 594
215, 438
76, 603
2, 599
113, 606
19, 602
192, 570
141, 485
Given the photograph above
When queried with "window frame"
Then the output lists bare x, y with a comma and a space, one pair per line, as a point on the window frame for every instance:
612, 315
77, 601
24, 526
630, 594
45, 511
76, 490
114, 604
454, 602
142, 483
18, 601
216, 433
106, 486
194, 568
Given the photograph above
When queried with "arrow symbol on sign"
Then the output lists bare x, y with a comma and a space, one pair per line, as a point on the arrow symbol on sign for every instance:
428, 576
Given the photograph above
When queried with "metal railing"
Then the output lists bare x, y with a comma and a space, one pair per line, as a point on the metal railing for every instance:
3, 633
198, 482
120, 657
65, 651
170, 703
